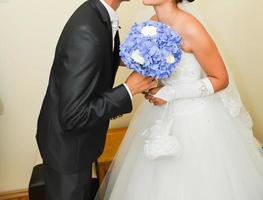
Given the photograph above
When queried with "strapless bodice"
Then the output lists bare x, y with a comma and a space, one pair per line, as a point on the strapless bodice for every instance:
187, 70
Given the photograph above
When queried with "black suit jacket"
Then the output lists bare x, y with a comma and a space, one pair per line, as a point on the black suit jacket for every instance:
80, 100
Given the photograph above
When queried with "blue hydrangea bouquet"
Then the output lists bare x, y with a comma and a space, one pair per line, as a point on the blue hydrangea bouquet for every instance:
152, 49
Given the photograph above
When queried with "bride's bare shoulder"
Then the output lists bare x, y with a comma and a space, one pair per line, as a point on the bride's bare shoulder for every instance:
190, 25
194, 33
192, 29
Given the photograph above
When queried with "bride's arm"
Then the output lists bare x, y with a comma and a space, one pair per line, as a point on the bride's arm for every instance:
207, 54
198, 41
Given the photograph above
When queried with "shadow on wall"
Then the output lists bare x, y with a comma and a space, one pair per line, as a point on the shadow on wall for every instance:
1, 107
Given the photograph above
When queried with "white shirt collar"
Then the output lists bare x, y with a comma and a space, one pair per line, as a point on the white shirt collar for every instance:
112, 13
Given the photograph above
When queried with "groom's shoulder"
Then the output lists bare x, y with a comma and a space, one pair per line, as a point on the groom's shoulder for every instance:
84, 16
84, 13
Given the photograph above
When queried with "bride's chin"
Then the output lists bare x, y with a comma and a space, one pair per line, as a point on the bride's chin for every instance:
147, 2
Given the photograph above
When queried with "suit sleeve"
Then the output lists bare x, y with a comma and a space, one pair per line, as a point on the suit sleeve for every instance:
80, 107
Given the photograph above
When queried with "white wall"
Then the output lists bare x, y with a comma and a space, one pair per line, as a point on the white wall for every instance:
28, 35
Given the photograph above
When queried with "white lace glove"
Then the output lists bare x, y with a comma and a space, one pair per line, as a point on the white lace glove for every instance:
199, 88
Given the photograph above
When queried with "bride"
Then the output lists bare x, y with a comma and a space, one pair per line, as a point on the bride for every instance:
212, 156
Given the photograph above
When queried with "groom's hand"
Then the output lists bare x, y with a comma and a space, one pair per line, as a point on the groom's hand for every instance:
138, 83
156, 101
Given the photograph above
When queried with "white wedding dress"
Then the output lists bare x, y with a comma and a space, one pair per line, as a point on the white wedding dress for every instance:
217, 159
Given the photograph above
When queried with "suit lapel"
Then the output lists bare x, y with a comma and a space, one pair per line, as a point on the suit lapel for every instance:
116, 46
104, 15
116, 57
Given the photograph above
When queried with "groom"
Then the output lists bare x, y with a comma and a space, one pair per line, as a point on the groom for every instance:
80, 100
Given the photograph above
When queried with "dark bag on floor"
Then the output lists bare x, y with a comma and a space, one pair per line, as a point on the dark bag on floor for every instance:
37, 184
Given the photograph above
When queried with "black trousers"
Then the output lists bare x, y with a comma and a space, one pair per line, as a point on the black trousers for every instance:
74, 186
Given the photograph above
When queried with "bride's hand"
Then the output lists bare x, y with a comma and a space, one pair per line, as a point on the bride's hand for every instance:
156, 101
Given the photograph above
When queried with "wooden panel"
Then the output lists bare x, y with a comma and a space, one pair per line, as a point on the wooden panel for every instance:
14, 195
113, 141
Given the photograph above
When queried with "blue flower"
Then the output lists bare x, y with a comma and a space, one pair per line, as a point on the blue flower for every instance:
152, 49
